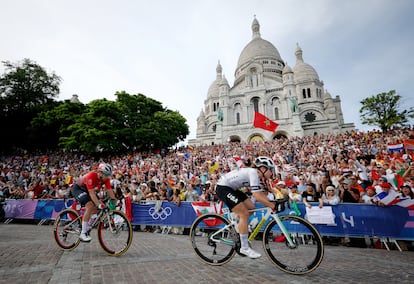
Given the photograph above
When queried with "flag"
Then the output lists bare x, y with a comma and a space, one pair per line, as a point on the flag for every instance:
239, 162
388, 198
398, 181
409, 144
213, 167
68, 179
261, 121
395, 147
406, 203
204, 207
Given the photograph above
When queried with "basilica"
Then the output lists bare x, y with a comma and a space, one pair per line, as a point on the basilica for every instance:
294, 98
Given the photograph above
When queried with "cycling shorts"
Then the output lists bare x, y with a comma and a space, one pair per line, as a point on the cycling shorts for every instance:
230, 196
81, 194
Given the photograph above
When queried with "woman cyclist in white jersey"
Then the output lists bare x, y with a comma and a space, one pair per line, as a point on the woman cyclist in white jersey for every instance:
228, 190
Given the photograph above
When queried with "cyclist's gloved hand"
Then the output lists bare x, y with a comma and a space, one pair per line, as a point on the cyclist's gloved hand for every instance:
279, 207
101, 205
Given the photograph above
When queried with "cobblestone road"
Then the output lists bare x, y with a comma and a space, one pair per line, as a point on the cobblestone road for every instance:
30, 255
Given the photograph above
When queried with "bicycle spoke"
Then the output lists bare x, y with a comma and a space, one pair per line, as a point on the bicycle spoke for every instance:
211, 240
115, 233
306, 252
67, 228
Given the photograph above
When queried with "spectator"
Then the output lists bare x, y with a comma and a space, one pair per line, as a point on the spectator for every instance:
406, 192
330, 196
294, 196
311, 195
369, 196
190, 193
347, 194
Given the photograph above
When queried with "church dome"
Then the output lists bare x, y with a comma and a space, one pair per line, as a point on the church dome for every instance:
303, 71
257, 48
213, 90
287, 69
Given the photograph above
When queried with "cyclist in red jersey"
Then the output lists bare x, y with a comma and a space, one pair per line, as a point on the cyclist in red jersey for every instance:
85, 193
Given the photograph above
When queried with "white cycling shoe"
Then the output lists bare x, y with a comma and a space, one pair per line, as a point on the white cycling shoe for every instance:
85, 238
250, 253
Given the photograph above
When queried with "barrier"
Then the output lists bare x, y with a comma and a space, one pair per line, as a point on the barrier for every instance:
352, 220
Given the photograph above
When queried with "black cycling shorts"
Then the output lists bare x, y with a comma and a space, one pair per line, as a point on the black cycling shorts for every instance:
81, 194
230, 196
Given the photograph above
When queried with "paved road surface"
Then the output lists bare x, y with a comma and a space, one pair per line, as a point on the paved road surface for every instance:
30, 255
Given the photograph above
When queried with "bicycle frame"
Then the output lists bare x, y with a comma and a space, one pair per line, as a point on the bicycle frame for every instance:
270, 214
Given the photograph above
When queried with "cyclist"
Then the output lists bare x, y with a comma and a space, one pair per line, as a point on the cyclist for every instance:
85, 192
228, 189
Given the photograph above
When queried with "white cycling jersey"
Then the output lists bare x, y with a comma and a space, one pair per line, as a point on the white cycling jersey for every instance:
237, 179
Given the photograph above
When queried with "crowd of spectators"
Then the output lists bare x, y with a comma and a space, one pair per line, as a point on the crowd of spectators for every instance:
352, 167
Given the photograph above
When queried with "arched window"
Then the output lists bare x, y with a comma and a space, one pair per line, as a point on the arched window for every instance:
309, 93
238, 111
304, 93
255, 102
276, 113
275, 101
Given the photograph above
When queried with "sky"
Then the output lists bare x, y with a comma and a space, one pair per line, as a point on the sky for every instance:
169, 50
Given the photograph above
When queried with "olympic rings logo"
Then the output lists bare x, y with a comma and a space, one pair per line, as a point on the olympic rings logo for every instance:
161, 213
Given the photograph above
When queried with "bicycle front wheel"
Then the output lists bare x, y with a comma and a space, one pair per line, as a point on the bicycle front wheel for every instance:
67, 228
307, 250
213, 239
115, 233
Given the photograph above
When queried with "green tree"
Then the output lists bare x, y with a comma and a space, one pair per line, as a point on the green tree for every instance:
132, 122
26, 88
384, 110
49, 125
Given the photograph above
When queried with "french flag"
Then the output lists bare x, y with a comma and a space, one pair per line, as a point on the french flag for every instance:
388, 198
407, 203
395, 147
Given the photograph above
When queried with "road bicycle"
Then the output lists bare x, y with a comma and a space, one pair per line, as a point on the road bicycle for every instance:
290, 242
114, 230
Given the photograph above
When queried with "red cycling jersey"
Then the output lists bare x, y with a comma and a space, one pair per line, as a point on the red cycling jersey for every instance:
91, 181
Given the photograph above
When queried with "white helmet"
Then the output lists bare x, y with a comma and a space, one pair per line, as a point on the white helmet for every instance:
106, 169
265, 162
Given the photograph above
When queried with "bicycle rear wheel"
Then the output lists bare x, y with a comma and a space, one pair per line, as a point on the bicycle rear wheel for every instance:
213, 240
115, 233
307, 252
67, 228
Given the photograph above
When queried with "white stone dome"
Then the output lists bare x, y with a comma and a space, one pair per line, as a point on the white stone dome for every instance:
303, 71
287, 69
213, 90
258, 48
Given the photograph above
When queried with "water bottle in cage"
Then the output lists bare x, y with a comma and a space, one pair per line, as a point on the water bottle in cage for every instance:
253, 223
92, 219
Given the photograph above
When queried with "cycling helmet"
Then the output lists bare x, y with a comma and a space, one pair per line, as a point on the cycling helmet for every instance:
106, 169
265, 162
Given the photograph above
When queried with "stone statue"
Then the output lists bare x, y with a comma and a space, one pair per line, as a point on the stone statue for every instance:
293, 104
220, 114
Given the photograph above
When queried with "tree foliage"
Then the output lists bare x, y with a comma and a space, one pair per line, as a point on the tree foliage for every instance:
33, 120
26, 89
132, 122
384, 110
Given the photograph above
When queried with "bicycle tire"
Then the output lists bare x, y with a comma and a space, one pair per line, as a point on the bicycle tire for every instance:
115, 234
219, 250
67, 228
307, 253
